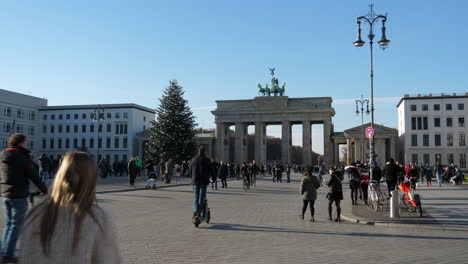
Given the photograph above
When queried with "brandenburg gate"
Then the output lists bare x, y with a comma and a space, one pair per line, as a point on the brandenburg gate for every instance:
272, 110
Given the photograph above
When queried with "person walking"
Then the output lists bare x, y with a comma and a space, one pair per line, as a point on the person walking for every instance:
364, 182
44, 165
169, 170
222, 174
439, 170
69, 226
16, 170
200, 170
428, 174
288, 173
139, 165
391, 171
335, 195
354, 181
132, 171
177, 173
308, 190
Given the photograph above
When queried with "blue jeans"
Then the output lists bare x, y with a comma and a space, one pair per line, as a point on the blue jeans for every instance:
14, 210
44, 176
439, 178
200, 195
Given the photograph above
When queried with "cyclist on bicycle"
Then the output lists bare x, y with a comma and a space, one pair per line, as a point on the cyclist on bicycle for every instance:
245, 172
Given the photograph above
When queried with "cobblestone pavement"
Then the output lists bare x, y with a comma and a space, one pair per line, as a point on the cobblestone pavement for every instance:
262, 226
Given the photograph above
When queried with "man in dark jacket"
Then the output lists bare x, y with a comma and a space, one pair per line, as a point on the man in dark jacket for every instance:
391, 175
200, 170
16, 170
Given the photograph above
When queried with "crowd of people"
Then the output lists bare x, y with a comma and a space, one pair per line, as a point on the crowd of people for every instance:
58, 230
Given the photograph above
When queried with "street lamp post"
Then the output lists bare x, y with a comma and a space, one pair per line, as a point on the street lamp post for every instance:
99, 118
372, 18
362, 101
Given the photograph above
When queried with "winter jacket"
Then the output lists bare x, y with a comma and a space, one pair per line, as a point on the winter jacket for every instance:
200, 170
309, 186
16, 170
391, 171
336, 188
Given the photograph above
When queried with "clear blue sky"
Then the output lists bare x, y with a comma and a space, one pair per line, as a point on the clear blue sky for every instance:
83, 52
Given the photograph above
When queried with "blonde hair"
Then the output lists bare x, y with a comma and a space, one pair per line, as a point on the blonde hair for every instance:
75, 189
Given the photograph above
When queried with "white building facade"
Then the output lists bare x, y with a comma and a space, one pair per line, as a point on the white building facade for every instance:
19, 113
105, 131
432, 127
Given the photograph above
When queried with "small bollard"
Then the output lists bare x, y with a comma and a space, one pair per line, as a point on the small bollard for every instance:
394, 206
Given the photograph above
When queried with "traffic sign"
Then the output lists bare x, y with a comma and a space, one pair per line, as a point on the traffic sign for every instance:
370, 132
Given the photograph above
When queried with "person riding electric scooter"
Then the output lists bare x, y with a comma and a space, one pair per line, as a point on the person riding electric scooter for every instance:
201, 171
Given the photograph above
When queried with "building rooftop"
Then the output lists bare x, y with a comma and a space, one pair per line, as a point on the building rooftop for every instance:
431, 96
94, 106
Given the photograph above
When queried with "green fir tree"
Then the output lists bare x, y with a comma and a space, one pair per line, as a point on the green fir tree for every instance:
173, 131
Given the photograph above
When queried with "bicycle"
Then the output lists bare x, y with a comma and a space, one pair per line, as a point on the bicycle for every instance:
377, 198
411, 201
245, 183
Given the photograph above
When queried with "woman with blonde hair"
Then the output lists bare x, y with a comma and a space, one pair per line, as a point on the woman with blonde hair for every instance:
69, 226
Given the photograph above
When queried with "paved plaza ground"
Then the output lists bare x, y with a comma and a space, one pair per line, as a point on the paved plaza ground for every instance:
262, 226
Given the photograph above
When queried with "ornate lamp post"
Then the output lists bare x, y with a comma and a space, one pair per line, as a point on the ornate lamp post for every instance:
98, 118
372, 18
361, 102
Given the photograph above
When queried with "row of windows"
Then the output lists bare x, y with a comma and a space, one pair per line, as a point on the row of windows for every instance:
83, 116
438, 157
438, 140
90, 143
436, 107
119, 129
421, 123
18, 128
19, 113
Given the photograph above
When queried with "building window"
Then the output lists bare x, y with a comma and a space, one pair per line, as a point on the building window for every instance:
426, 158
32, 115
75, 116
448, 107
450, 158
438, 157
461, 122
75, 128
108, 128
44, 143
52, 117
425, 125
125, 143
67, 129
7, 112
414, 158
449, 140
116, 142
116, 158
91, 128
461, 106
60, 128
83, 128
437, 140
108, 142
67, 143
83, 143
414, 140
462, 140
436, 121
75, 143
101, 116
44, 129
425, 107
31, 131
109, 115
91, 143
124, 157
59, 143
44, 117
60, 116
437, 107
117, 115
51, 143
100, 128
20, 113
449, 122
116, 129
99, 143
413, 108
52, 129
125, 129
68, 116
426, 140
125, 115
462, 160
83, 116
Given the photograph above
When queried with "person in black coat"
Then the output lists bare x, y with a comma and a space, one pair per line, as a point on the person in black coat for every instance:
391, 172
222, 174
200, 169
335, 195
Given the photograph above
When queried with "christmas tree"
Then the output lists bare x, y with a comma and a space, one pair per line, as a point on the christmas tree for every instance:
173, 131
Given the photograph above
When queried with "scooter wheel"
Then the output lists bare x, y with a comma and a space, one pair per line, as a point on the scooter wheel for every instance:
208, 217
